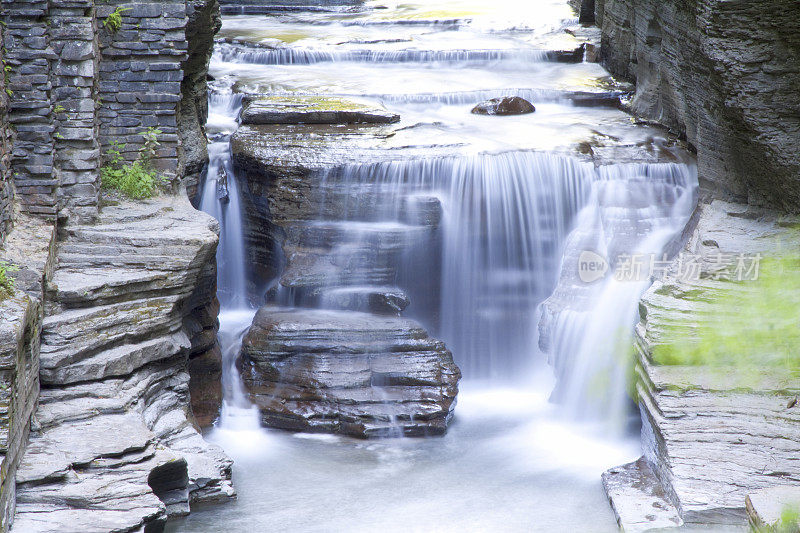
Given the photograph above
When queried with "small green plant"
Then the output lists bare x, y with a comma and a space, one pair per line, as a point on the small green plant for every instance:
113, 21
137, 179
151, 144
58, 135
58, 109
6, 283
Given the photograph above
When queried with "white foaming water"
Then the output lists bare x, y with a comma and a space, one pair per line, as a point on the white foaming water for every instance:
634, 212
504, 220
221, 199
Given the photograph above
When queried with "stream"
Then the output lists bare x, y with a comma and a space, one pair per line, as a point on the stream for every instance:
532, 431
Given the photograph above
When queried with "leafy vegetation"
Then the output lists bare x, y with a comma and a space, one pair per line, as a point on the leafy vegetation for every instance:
113, 21
6, 283
137, 179
749, 324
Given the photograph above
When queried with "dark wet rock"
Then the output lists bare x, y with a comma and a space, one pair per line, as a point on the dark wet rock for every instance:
205, 386
507, 105
378, 300
203, 21
728, 91
313, 110
351, 373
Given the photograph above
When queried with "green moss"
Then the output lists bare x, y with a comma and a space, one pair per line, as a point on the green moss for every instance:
7, 285
317, 103
113, 21
747, 324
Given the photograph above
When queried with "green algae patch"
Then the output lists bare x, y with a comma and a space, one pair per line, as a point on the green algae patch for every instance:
747, 324
316, 103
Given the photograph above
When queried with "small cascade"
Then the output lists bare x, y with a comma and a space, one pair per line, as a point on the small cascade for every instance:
474, 242
221, 199
303, 56
633, 214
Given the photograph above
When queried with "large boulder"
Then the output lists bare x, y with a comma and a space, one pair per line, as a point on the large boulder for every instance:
351, 373
507, 105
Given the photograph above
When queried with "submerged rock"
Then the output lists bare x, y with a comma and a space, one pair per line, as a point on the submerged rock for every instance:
507, 105
348, 372
313, 110
379, 300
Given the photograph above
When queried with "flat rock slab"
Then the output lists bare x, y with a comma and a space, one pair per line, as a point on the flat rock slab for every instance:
352, 373
313, 110
638, 499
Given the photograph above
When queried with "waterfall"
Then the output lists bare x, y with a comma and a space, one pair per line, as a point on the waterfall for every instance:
634, 212
220, 198
480, 239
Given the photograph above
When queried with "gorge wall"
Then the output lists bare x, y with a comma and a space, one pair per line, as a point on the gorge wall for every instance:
724, 74
115, 300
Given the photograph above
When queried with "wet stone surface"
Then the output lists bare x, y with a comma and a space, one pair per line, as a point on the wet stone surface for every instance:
351, 373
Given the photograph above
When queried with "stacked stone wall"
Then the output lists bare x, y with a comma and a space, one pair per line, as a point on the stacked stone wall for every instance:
79, 83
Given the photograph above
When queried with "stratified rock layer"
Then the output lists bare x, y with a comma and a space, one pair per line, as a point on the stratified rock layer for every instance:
711, 435
724, 73
347, 372
313, 110
114, 446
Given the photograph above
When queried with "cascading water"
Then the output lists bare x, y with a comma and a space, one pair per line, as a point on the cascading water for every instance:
504, 218
220, 198
634, 211
481, 233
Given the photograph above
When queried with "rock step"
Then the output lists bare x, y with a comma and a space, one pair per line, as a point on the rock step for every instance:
240, 51
378, 300
638, 499
329, 234
102, 286
347, 372
64, 338
766, 507
364, 202
311, 270
313, 110
76, 466
62, 367
266, 7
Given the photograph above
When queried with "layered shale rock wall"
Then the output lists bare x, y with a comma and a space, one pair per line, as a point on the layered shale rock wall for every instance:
6, 184
724, 74
114, 304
